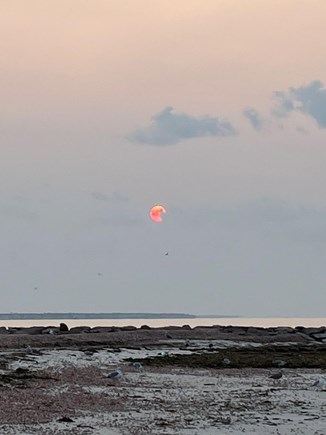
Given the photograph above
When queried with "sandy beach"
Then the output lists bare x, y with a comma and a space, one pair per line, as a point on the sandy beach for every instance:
47, 389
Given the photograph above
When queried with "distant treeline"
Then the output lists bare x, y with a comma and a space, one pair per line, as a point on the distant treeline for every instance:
34, 316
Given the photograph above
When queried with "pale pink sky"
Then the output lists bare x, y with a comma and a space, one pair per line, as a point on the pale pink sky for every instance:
81, 80
138, 56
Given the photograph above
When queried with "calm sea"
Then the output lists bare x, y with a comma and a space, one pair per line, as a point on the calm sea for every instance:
200, 321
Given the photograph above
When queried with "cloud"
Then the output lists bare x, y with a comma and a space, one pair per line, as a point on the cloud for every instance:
169, 128
309, 99
115, 196
256, 121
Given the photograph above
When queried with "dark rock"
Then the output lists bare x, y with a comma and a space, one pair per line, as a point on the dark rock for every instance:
252, 330
311, 331
3, 330
65, 420
186, 327
13, 330
79, 329
114, 350
304, 336
319, 336
145, 327
284, 330
229, 329
105, 329
21, 370
243, 332
276, 376
63, 327
128, 328
33, 330
240, 330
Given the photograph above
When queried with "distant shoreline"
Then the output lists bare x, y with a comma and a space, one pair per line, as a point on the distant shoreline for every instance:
70, 316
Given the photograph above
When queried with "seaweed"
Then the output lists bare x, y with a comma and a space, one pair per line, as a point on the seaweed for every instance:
265, 357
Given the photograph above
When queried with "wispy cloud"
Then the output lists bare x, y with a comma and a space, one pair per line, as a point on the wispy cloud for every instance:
168, 128
254, 117
309, 99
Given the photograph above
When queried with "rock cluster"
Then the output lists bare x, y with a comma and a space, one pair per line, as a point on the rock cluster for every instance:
281, 333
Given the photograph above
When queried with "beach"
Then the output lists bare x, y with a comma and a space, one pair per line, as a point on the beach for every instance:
202, 380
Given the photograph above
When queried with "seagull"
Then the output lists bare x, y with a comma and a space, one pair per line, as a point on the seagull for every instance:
163, 353
116, 375
166, 253
29, 350
137, 365
226, 362
276, 376
320, 383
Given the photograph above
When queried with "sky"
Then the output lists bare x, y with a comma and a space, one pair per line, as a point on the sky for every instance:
215, 109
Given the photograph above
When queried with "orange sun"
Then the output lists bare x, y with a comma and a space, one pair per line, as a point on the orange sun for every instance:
155, 213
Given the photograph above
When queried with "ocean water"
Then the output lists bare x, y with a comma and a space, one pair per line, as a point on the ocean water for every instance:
200, 321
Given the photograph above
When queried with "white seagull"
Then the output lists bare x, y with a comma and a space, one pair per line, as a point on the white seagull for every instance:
320, 383
116, 375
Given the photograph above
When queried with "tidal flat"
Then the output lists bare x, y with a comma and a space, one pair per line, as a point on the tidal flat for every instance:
188, 381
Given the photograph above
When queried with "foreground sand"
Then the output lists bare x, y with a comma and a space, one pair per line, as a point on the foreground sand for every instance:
40, 387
